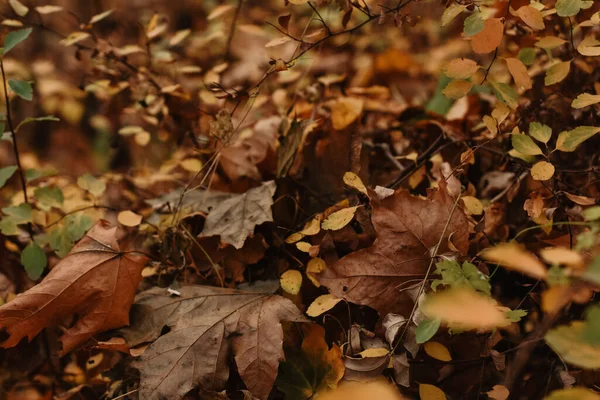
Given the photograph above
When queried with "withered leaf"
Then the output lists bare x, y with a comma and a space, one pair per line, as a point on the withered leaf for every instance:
407, 227
96, 281
235, 218
208, 324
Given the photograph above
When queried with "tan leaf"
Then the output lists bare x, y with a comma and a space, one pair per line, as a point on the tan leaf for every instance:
235, 218
589, 46
457, 89
555, 298
430, 392
206, 325
532, 17
563, 256
464, 308
513, 256
550, 42
460, 68
581, 200
489, 38
354, 181
129, 218
407, 227
585, 99
472, 205
518, 70
499, 392
96, 281
345, 110
437, 351
542, 171
557, 73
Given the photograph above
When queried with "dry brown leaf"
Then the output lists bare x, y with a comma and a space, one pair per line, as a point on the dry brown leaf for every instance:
532, 17
407, 227
96, 281
518, 70
460, 68
207, 324
489, 38
345, 111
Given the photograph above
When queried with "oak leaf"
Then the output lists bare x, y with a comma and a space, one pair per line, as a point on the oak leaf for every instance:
207, 326
408, 228
96, 281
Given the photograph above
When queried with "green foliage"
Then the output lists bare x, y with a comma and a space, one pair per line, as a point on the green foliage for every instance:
21, 214
62, 237
22, 88
569, 8
527, 55
6, 173
453, 275
49, 197
34, 260
540, 132
506, 94
92, 184
14, 38
525, 145
427, 329
569, 140
473, 24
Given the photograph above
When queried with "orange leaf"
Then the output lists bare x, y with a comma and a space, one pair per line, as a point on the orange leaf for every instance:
489, 38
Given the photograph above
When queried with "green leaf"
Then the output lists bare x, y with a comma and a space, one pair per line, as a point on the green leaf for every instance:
515, 315
527, 56
6, 173
14, 38
473, 24
93, 185
20, 214
49, 197
427, 329
62, 238
525, 145
36, 119
34, 260
22, 88
569, 140
32, 174
506, 94
585, 100
591, 333
8, 226
453, 275
592, 213
540, 132
569, 8
592, 274
439, 103
570, 344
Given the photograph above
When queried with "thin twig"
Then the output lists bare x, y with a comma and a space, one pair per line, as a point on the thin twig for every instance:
232, 29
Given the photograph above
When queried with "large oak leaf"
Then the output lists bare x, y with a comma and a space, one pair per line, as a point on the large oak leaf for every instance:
96, 282
408, 228
206, 325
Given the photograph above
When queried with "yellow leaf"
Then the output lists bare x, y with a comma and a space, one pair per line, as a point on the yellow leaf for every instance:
142, 138
518, 70
74, 37
437, 351
345, 111
574, 393
589, 46
18, 8
129, 218
353, 180
563, 256
291, 281
550, 42
464, 308
457, 89
472, 205
585, 99
557, 73
532, 17
312, 227
500, 112
460, 68
430, 392
555, 298
513, 256
542, 171
191, 164
490, 36
452, 12
374, 352
499, 392
379, 389
491, 124
303, 246
339, 219
294, 237
322, 304
315, 266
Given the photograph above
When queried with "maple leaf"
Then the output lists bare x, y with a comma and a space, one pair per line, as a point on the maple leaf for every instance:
96, 281
207, 324
408, 228
235, 218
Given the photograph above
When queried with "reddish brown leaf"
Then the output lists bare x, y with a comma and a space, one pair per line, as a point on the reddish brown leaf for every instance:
207, 325
96, 281
408, 227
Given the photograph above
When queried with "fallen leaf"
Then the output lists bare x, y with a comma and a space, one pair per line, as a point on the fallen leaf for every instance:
379, 389
291, 281
322, 304
96, 281
574, 393
437, 351
353, 180
472, 205
581, 200
430, 392
235, 218
129, 218
345, 110
315, 266
489, 38
513, 256
498, 392
206, 325
339, 219
407, 229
